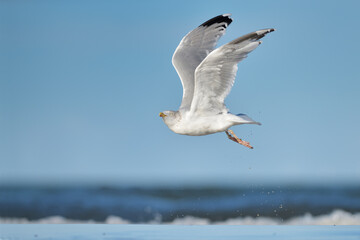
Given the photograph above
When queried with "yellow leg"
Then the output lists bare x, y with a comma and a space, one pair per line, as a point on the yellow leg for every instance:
236, 139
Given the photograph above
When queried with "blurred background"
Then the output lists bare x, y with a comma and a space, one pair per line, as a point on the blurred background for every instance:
82, 83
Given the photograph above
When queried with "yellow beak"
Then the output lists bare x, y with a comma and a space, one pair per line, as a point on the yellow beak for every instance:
162, 114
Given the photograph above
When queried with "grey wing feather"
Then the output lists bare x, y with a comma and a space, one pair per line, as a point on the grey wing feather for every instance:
215, 76
193, 49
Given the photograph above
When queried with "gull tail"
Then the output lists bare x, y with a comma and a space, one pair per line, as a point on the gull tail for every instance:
244, 119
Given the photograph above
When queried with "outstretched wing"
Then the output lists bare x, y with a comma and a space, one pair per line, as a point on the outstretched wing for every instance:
193, 49
215, 76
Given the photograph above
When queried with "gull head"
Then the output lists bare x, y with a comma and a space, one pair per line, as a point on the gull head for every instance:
170, 118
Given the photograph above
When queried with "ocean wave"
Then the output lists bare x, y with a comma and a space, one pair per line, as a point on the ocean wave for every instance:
337, 217
168, 205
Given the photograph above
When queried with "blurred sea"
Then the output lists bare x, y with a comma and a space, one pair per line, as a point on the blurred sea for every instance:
182, 205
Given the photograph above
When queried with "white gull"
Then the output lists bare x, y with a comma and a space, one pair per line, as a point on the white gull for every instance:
207, 76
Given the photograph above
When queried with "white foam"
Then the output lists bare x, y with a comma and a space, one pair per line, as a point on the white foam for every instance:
337, 217
62, 220
190, 220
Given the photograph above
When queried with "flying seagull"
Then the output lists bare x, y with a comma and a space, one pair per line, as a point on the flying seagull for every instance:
207, 76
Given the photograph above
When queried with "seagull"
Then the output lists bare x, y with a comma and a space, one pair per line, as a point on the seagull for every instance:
207, 76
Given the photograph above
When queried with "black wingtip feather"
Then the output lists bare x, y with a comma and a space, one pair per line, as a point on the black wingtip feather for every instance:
218, 19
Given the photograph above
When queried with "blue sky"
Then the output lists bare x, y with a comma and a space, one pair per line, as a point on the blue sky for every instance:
82, 83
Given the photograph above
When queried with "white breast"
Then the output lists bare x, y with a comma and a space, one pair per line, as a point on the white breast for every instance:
203, 125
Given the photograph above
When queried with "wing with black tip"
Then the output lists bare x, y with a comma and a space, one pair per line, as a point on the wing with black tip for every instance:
215, 75
193, 49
